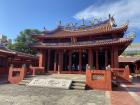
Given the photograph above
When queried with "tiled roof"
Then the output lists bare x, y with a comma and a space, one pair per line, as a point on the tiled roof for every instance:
129, 59
5, 50
96, 30
105, 42
20, 54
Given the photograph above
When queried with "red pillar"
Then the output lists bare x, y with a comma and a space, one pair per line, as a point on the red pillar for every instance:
48, 60
60, 62
97, 59
80, 60
90, 57
112, 58
116, 64
136, 69
70, 55
55, 61
42, 58
106, 58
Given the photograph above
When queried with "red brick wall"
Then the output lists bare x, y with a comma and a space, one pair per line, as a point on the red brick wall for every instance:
99, 79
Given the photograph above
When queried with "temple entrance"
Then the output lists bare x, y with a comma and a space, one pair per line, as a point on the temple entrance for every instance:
101, 60
65, 61
75, 61
84, 60
52, 56
46, 61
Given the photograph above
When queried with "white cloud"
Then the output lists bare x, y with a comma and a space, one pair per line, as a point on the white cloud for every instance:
123, 11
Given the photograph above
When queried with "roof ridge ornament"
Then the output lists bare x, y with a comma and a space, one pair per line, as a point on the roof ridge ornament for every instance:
44, 28
60, 23
132, 35
92, 22
112, 21
128, 22
109, 16
83, 25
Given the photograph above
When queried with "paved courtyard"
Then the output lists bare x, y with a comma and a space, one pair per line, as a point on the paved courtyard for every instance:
126, 94
25, 95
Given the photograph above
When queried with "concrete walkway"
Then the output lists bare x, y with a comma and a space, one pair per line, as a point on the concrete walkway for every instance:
127, 94
23, 95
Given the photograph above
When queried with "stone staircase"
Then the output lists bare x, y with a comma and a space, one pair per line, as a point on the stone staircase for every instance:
75, 85
115, 83
78, 85
25, 81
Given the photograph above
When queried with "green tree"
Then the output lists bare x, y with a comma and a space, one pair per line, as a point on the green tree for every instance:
24, 40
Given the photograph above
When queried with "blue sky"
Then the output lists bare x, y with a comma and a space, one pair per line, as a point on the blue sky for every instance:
17, 15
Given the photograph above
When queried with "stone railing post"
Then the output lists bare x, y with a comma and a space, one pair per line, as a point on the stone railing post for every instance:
108, 79
127, 73
23, 71
10, 72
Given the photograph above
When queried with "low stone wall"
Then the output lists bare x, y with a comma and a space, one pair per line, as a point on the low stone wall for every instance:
16, 74
102, 79
99, 79
121, 74
37, 70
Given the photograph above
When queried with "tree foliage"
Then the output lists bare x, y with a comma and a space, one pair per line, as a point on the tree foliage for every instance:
24, 40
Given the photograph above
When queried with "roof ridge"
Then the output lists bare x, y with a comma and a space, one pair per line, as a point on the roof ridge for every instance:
64, 28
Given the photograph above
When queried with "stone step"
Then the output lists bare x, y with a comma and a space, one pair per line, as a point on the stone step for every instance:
24, 82
115, 84
78, 84
21, 83
78, 87
76, 81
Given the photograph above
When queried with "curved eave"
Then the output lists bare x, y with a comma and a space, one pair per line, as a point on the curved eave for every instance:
7, 52
129, 59
124, 42
125, 45
100, 31
25, 55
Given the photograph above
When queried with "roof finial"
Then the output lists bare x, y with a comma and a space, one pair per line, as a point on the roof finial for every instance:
59, 24
132, 35
128, 21
44, 28
109, 16
83, 21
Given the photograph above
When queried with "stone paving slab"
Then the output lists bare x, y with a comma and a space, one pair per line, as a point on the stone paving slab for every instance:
24, 95
51, 82
78, 77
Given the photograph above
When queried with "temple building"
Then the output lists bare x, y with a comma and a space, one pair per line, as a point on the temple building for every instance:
8, 57
132, 61
69, 49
